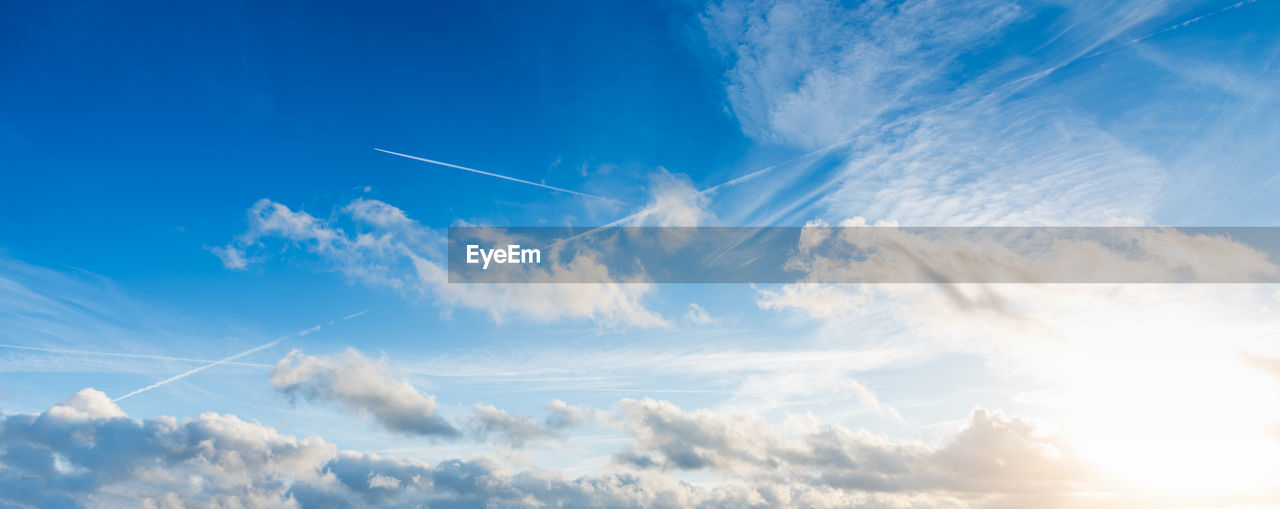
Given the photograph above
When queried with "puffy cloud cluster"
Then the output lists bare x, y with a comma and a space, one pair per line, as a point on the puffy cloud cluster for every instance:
673, 202
489, 421
367, 387
364, 386
85, 452
991, 454
389, 249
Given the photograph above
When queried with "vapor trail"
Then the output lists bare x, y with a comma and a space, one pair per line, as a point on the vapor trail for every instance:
228, 360
193, 371
128, 355
1172, 27
504, 177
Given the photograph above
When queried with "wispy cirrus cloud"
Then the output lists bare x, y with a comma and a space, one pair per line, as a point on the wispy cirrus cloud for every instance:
811, 73
74, 321
942, 117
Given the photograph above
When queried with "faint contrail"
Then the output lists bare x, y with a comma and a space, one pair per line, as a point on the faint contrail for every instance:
1174, 26
504, 177
129, 355
227, 360
193, 371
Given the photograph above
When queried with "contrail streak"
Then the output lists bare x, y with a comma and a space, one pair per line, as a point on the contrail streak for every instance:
1169, 28
504, 177
127, 355
227, 360
193, 371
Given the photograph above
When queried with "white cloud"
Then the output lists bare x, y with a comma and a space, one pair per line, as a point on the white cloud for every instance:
370, 388
936, 126
543, 297
993, 164
991, 454
1015, 140
391, 250
363, 386
564, 415
696, 315
86, 404
673, 202
232, 257
809, 72
86, 452
488, 422
816, 300
1034, 255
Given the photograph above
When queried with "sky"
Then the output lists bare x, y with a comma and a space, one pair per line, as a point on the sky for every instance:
215, 290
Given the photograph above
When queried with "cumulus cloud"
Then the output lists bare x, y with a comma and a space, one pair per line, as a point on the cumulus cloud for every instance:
551, 294
488, 422
369, 388
563, 415
992, 453
673, 202
85, 451
388, 249
364, 386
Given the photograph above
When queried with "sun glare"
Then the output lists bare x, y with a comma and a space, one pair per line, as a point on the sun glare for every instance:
1168, 406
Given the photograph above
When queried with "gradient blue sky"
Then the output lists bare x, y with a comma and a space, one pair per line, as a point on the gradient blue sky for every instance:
137, 140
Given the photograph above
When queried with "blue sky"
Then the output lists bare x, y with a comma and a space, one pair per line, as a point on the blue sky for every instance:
188, 182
